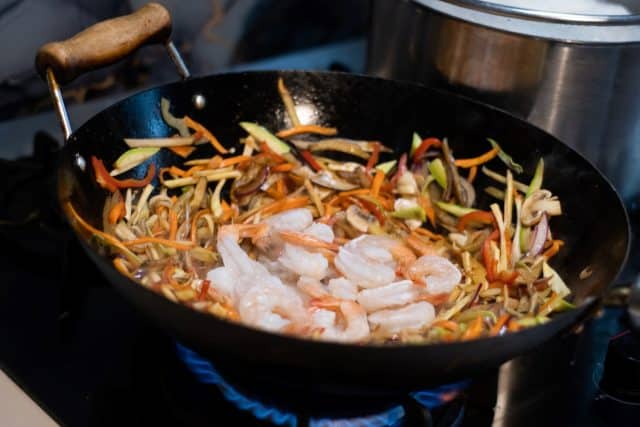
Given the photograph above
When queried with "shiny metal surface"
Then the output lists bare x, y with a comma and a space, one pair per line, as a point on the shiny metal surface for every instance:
586, 94
175, 56
58, 102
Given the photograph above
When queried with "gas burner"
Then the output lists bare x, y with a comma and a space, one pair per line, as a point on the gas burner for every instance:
275, 405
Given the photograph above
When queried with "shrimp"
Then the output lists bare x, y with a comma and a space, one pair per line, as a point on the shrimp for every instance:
273, 307
303, 262
413, 316
294, 220
356, 327
320, 231
312, 287
343, 288
366, 262
391, 295
438, 273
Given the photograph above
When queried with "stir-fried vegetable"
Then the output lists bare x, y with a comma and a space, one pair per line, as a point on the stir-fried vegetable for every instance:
350, 251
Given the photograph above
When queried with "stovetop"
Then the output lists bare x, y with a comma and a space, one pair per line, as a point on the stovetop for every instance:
77, 348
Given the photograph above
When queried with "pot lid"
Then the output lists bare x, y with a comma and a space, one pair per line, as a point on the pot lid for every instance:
578, 21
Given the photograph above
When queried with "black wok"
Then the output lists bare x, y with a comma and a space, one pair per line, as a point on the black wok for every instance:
594, 224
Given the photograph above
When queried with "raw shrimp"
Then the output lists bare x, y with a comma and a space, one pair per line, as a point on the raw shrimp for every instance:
343, 288
272, 306
312, 287
320, 231
303, 262
391, 295
414, 316
355, 318
293, 220
366, 262
438, 273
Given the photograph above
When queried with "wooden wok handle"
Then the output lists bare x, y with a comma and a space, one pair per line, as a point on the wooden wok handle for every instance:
105, 43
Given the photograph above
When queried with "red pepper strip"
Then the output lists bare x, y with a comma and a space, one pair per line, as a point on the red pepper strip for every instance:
483, 217
426, 144
373, 208
375, 156
308, 157
110, 183
204, 289
402, 168
490, 264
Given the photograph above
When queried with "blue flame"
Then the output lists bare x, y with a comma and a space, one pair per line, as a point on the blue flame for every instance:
207, 374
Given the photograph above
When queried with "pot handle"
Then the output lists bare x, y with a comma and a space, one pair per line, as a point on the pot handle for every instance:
103, 44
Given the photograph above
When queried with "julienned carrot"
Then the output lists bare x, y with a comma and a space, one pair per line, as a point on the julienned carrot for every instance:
425, 204
548, 306
284, 167
429, 234
117, 212
183, 151
113, 241
358, 192
285, 204
264, 148
298, 130
513, 326
373, 159
173, 224
446, 324
227, 211
482, 217
474, 330
377, 183
118, 263
473, 172
477, 161
502, 320
233, 161
205, 133
183, 246
555, 247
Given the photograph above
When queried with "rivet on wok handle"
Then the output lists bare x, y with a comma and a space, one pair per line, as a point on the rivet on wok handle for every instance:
101, 45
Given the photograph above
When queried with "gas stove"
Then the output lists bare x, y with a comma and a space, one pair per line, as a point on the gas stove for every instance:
86, 357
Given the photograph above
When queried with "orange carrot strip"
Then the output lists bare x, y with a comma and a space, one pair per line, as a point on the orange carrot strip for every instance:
425, 204
428, 233
205, 132
173, 224
513, 326
298, 130
447, 324
358, 192
234, 160
548, 306
117, 212
284, 167
477, 161
166, 242
183, 151
118, 263
105, 236
373, 158
555, 247
472, 174
502, 320
377, 183
474, 330
285, 204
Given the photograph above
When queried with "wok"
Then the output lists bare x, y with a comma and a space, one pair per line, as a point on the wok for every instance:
594, 224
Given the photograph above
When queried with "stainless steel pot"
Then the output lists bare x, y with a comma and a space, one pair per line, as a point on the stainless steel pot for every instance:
575, 75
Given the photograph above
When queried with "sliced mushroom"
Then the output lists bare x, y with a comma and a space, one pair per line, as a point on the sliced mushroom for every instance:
360, 219
538, 203
329, 180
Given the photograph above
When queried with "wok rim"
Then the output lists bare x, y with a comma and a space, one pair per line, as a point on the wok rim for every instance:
579, 313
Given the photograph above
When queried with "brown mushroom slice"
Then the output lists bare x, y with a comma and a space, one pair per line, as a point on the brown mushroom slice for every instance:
329, 180
360, 219
537, 204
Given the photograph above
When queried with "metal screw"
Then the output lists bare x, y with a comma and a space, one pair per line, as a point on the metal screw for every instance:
199, 101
